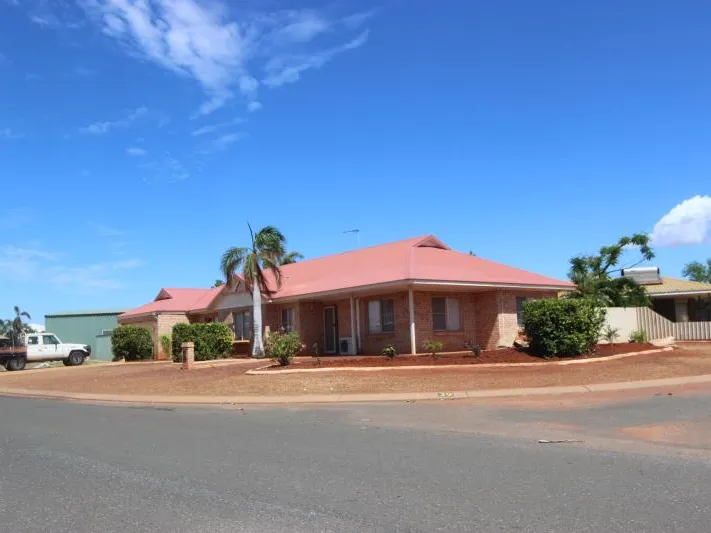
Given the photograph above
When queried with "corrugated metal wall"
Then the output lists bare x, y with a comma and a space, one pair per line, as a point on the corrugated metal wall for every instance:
84, 329
658, 327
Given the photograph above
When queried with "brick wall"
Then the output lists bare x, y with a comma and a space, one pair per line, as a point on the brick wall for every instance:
164, 326
309, 323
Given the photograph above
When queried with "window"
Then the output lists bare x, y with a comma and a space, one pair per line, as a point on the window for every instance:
242, 324
520, 300
49, 339
381, 316
32, 340
445, 314
287, 319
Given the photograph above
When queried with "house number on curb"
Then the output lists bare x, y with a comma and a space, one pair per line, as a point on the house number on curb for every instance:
445, 395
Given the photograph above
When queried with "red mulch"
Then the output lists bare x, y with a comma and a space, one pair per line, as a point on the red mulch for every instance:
505, 355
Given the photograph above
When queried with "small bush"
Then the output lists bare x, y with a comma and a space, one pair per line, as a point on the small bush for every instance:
639, 336
212, 340
432, 347
166, 344
610, 334
562, 327
283, 347
389, 351
131, 343
475, 348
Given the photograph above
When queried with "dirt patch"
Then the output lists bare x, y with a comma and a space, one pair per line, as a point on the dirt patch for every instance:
505, 355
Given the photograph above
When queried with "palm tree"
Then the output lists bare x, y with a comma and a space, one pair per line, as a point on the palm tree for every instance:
265, 253
290, 257
5, 328
17, 325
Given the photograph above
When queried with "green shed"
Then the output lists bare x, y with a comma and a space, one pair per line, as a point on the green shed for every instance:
92, 327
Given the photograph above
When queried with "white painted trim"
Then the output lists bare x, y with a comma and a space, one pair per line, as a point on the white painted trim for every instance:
673, 294
411, 303
402, 284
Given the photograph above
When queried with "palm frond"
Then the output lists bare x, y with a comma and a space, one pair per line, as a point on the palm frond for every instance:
231, 260
291, 258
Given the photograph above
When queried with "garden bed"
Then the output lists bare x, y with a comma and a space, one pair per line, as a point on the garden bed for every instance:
504, 355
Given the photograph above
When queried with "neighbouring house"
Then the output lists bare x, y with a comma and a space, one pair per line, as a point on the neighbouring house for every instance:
678, 300
401, 293
92, 327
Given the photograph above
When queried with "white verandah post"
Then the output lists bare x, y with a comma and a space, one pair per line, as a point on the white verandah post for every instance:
413, 341
354, 336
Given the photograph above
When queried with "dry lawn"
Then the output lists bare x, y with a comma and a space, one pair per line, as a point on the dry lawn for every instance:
228, 379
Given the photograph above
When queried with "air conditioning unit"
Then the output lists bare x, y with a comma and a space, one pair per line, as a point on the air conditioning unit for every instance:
345, 346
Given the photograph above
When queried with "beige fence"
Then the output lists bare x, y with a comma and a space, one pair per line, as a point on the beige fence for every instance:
658, 327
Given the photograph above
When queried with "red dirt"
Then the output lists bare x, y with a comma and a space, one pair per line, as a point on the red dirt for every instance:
505, 355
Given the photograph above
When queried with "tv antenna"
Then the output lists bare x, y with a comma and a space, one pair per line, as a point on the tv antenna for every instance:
357, 234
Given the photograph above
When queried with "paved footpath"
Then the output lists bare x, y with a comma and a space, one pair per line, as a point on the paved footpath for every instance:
472, 465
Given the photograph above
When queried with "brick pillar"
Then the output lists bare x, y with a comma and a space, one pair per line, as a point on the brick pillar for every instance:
188, 355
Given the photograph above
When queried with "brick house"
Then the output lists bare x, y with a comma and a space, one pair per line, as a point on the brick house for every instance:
401, 293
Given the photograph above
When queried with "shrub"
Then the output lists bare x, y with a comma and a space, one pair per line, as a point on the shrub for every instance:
610, 334
166, 344
389, 351
639, 336
563, 327
282, 347
432, 347
131, 343
475, 348
212, 341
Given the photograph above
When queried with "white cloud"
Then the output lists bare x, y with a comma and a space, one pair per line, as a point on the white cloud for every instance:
254, 106
216, 127
219, 44
135, 151
7, 133
221, 143
687, 223
99, 128
37, 266
288, 68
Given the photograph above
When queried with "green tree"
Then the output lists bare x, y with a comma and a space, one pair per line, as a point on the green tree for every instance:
265, 253
218, 283
593, 274
696, 271
18, 326
290, 257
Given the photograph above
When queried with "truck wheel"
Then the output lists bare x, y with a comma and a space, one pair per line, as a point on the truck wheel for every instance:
75, 359
16, 363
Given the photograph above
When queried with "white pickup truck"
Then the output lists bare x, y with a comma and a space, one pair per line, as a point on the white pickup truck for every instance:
42, 347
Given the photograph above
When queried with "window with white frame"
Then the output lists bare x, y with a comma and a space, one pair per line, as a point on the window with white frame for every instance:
381, 316
242, 324
287, 319
445, 314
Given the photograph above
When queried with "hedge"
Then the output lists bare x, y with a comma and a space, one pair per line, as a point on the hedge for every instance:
562, 327
212, 341
131, 343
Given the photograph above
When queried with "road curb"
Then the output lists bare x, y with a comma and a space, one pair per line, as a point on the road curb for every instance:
353, 398
545, 364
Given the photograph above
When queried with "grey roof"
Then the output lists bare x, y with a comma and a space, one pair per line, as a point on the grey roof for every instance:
89, 312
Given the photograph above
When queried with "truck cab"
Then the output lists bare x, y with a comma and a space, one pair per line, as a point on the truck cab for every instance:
48, 347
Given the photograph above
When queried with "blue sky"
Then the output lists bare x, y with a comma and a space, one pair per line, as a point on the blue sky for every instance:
137, 137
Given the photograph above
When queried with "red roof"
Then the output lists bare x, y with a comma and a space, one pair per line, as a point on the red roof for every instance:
177, 301
419, 259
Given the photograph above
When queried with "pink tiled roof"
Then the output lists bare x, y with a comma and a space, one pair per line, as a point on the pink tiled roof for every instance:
177, 301
420, 259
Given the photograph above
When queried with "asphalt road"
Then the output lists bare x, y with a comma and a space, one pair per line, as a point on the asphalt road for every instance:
447, 466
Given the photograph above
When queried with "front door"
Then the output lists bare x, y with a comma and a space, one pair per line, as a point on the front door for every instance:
330, 336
